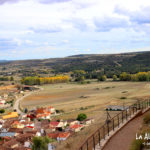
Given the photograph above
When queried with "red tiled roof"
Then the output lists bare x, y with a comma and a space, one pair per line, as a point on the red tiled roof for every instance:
53, 135
54, 123
30, 126
64, 135
75, 126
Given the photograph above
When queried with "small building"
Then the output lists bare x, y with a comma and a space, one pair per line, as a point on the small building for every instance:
2, 101
76, 127
10, 115
87, 121
56, 124
72, 122
8, 134
116, 108
53, 135
62, 136
11, 144
17, 124
28, 88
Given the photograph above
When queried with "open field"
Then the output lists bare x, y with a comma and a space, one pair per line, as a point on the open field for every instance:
89, 98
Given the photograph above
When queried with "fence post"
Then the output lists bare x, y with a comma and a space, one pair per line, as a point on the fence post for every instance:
104, 132
139, 106
87, 144
126, 114
99, 137
108, 128
93, 142
113, 124
142, 105
129, 112
136, 107
122, 116
118, 120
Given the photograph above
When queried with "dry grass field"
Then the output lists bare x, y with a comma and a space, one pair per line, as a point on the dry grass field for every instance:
91, 99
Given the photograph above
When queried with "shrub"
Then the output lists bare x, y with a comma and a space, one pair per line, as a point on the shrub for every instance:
137, 145
81, 117
2, 111
114, 78
146, 119
123, 98
102, 78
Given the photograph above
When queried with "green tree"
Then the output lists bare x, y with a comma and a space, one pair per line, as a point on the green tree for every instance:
41, 143
2, 111
81, 117
142, 76
114, 78
125, 77
80, 78
78, 73
102, 78
11, 78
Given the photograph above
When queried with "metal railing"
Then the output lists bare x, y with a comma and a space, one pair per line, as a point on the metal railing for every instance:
112, 125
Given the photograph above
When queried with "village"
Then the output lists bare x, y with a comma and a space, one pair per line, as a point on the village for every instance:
17, 130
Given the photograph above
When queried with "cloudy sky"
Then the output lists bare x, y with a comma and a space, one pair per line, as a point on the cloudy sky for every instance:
57, 28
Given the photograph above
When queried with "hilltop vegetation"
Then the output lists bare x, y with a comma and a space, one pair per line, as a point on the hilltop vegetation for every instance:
104, 64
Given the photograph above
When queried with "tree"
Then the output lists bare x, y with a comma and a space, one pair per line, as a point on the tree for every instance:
142, 76
2, 111
114, 78
125, 77
81, 117
41, 143
11, 78
102, 78
80, 78
78, 73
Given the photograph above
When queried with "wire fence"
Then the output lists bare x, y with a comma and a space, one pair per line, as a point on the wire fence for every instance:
112, 125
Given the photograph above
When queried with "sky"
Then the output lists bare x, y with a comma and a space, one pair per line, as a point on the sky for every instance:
38, 29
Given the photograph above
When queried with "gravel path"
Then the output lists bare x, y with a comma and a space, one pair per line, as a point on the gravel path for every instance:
123, 139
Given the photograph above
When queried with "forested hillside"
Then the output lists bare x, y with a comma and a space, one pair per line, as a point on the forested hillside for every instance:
106, 64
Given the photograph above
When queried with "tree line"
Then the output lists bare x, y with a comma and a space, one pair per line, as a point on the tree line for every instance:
6, 79
140, 76
44, 80
80, 75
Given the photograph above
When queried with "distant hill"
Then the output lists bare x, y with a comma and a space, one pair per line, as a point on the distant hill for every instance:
108, 63
2, 61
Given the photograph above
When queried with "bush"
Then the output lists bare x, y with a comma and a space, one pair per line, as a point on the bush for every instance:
81, 117
41, 143
146, 119
137, 145
2, 111
59, 111
123, 98
114, 78
102, 78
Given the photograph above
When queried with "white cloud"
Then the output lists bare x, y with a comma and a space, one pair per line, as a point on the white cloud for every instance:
75, 23
28, 42
18, 41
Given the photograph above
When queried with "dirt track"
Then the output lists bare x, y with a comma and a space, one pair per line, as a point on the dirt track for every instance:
123, 139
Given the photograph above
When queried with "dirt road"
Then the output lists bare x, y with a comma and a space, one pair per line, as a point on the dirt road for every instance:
17, 103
